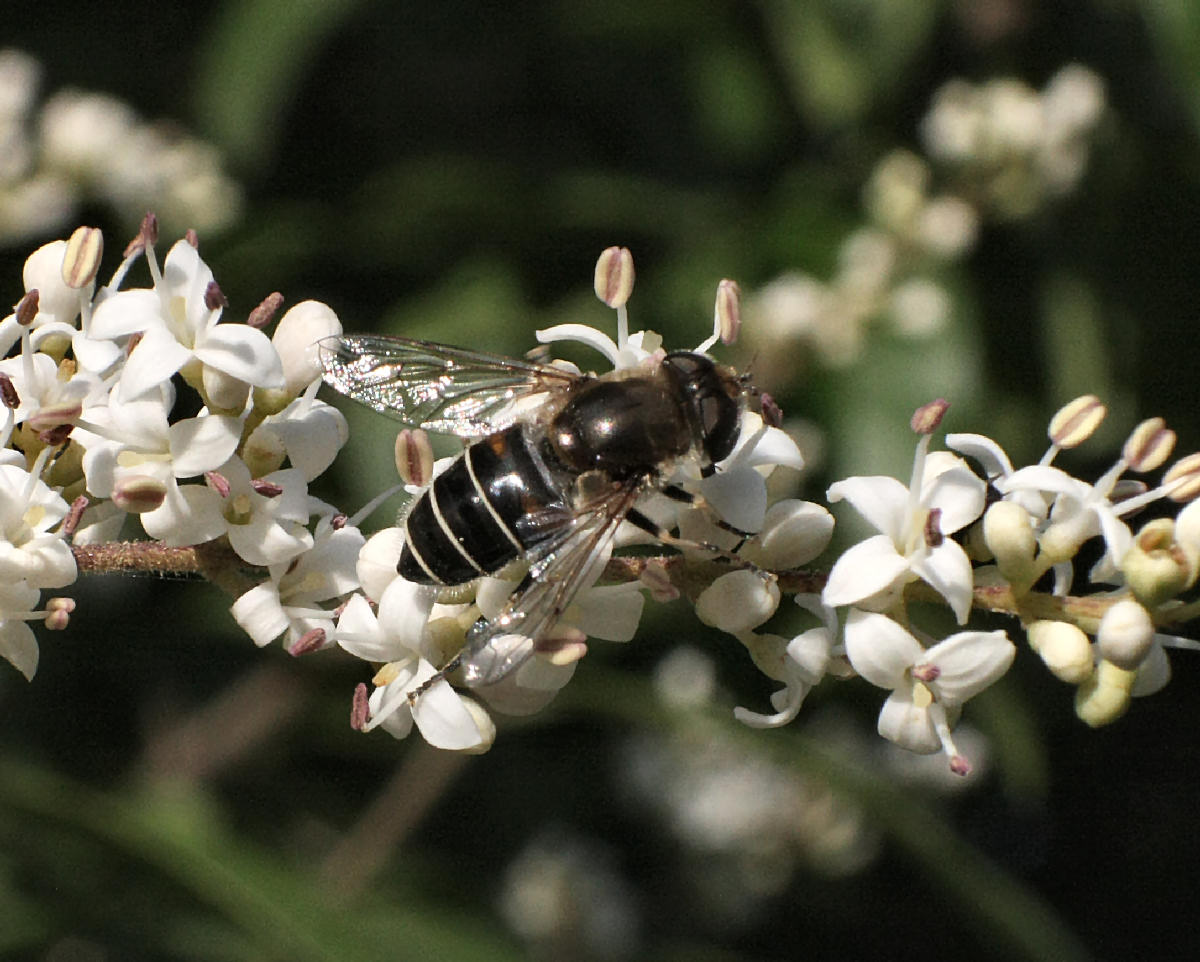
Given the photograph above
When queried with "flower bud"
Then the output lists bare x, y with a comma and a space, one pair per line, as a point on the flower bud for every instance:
297, 340
1104, 697
1076, 421
1008, 533
738, 601
1156, 566
1125, 634
1149, 445
264, 450
224, 393
43, 272
1064, 648
614, 276
81, 260
793, 534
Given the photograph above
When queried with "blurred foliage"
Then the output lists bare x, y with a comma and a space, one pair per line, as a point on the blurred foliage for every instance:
451, 171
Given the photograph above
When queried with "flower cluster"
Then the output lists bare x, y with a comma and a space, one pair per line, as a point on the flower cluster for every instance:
80, 147
92, 442
997, 151
91, 438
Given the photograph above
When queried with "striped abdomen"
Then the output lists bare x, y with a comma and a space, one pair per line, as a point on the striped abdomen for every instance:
471, 520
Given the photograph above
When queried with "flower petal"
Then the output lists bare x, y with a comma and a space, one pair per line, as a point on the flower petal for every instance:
881, 500
880, 650
905, 724
968, 662
203, 443
242, 352
947, 570
864, 570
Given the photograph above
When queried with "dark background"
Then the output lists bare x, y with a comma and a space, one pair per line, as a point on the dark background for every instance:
451, 170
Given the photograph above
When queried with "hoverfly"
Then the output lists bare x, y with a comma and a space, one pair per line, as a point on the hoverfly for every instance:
556, 461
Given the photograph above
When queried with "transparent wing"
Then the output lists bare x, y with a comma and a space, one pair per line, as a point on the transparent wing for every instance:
560, 569
448, 390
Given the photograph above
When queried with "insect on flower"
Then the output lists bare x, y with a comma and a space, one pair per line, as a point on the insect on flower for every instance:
556, 461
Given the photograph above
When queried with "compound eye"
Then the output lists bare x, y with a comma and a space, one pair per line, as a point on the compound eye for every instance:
719, 421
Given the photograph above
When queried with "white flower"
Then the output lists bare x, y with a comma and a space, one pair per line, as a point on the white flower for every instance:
928, 687
800, 663
398, 634
914, 541
49, 397
132, 443
289, 601
28, 550
180, 331
264, 518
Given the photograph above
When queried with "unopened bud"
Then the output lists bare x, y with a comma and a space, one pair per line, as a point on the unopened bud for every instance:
1009, 535
793, 534
927, 417
1104, 697
1125, 634
614, 276
1076, 421
262, 315
728, 313
1064, 648
139, 493
27, 308
1149, 445
264, 451
192, 237
738, 601
1156, 566
414, 457
1183, 479
297, 341
82, 260
58, 613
